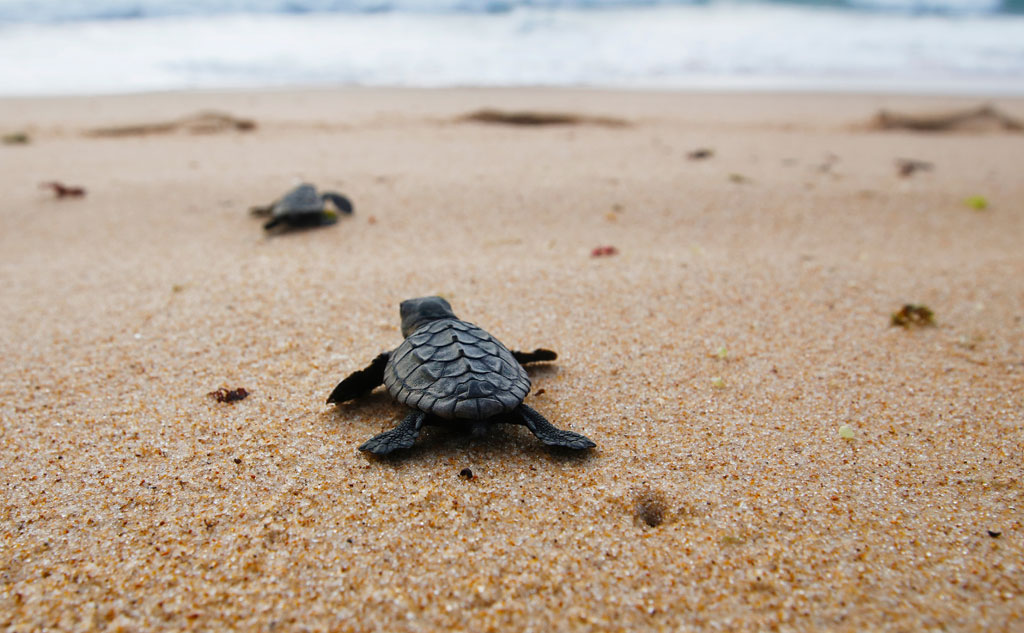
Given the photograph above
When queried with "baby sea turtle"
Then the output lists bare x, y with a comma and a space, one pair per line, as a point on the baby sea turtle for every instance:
304, 207
451, 371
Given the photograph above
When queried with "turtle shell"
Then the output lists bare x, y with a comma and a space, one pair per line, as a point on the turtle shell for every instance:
455, 370
301, 199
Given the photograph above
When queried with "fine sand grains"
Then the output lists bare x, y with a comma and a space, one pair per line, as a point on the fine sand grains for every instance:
772, 453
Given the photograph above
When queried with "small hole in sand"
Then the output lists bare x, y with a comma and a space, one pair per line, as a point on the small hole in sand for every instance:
650, 508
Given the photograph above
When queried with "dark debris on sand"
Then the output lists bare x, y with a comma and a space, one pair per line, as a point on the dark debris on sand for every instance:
229, 395
909, 166
912, 314
16, 138
60, 190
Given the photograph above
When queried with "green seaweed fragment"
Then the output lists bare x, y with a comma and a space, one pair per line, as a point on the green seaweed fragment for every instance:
978, 203
16, 138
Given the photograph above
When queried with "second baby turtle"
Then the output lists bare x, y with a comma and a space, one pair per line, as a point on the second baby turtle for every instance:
451, 371
303, 207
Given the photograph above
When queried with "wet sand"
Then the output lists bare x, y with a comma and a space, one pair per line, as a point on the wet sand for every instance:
743, 322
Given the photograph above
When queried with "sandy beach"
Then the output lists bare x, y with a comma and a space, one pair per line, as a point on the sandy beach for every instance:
805, 464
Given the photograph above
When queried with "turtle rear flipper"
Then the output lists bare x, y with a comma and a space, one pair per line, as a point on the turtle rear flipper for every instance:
361, 382
549, 433
402, 436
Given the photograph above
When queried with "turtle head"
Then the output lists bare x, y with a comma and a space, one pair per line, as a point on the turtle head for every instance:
418, 312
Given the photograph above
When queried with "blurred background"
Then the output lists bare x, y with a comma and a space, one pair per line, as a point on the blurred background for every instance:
50, 47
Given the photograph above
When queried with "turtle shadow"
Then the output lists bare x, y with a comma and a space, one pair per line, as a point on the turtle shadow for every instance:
284, 232
442, 440
546, 370
508, 439
561, 455
438, 443
378, 400
434, 444
373, 410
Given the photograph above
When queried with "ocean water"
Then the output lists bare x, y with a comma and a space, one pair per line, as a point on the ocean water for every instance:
110, 46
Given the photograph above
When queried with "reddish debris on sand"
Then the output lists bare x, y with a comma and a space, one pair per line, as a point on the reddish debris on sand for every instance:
63, 191
604, 251
228, 395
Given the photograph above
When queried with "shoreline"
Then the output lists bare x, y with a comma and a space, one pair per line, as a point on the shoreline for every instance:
995, 88
325, 102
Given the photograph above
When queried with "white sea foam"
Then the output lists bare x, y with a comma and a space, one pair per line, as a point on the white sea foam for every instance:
71, 10
718, 45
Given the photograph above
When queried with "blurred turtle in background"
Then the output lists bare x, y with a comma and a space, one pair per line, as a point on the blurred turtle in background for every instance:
304, 207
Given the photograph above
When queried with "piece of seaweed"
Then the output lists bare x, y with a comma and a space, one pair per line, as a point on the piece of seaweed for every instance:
205, 122
537, 118
984, 116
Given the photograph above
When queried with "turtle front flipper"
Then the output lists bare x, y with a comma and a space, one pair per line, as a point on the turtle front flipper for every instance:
271, 223
343, 204
361, 382
538, 355
402, 436
549, 433
303, 219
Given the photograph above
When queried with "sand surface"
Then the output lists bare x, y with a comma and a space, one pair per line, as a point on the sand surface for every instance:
744, 321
